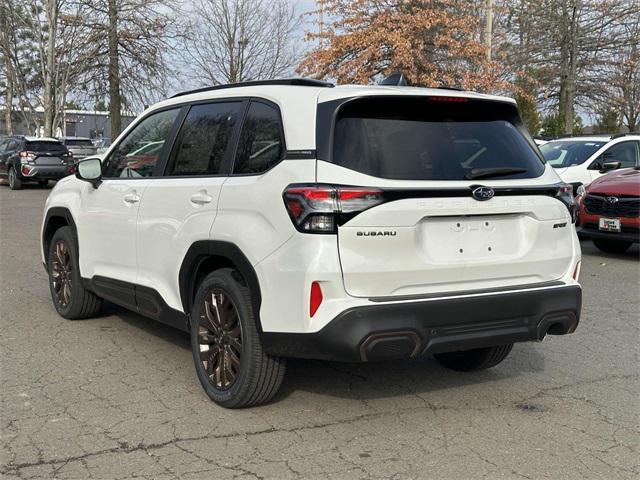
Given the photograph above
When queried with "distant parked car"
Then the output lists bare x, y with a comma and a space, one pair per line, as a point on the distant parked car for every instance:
610, 210
580, 160
33, 159
540, 141
80, 147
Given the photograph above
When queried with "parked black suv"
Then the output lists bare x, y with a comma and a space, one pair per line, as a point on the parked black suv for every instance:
32, 159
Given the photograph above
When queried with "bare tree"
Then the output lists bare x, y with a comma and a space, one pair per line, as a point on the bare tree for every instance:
621, 80
232, 41
564, 45
126, 53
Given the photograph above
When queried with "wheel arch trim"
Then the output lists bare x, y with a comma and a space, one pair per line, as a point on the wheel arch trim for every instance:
56, 212
204, 249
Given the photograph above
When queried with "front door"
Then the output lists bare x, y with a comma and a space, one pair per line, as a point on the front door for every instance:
107, 223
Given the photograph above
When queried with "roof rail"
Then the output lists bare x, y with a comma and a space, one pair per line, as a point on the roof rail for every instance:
569, 135
300, 82
618, 135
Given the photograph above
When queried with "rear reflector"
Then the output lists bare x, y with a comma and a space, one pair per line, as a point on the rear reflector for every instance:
315, 298
576, 272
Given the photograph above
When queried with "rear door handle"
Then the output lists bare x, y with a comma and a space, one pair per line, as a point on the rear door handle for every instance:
132, 197
201, 198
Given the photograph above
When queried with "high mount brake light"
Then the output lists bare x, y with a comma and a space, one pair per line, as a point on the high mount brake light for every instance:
322, 208
449, 99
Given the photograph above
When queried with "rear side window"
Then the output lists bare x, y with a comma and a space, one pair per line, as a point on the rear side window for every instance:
203, 140
432, 139
261, 145
45, 147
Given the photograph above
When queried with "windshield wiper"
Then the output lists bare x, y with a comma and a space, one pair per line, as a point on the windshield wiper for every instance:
492, 172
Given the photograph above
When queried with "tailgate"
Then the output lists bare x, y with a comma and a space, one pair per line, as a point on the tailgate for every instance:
434, 245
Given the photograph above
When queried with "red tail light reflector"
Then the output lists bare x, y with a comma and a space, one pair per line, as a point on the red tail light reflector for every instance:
315, 299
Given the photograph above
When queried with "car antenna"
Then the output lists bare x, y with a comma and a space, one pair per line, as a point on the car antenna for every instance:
396, 79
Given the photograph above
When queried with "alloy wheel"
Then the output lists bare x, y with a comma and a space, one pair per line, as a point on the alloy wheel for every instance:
220, 339
12, 178
61, 273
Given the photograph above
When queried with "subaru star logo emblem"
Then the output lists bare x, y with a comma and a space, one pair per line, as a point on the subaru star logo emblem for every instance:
483, 193
611, 200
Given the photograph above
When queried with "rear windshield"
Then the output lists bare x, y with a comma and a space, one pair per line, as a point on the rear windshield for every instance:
564, 153
78, 143
45, 147
432, 139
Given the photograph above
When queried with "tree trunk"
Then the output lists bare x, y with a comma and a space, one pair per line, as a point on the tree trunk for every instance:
9, 108
115, 101
49, 87
570, 99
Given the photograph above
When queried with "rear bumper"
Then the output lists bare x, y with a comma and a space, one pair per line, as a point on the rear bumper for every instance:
412, 329
45, 172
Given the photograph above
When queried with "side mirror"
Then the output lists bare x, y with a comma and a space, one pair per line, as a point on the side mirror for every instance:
608, 166
90, 170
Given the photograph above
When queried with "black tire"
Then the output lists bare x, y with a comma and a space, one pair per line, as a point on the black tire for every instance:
259, 376
14, 182
611, 246
43, 183
81, 303
474, 360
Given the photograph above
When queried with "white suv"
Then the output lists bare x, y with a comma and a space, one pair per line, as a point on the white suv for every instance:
288, 218
580, 160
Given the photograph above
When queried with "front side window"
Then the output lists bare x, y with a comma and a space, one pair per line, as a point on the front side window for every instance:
624, 152
433, 139
139, 152
261, 144
203, 140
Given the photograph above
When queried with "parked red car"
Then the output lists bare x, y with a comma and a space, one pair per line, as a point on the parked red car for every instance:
610, 210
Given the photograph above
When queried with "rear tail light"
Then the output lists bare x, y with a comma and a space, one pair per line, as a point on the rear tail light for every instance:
565, 195
27, 157
322, 208
315, 298
26, 170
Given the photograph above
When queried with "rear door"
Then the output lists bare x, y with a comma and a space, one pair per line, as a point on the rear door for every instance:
431, 235
179, 207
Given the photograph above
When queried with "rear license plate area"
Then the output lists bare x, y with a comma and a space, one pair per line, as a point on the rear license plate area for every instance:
48, 161
462, 238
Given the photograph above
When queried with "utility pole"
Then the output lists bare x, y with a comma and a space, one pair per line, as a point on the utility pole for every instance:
488, 31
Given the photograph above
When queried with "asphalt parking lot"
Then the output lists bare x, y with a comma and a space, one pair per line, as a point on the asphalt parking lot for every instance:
117, 396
